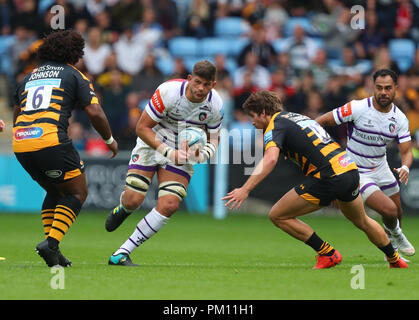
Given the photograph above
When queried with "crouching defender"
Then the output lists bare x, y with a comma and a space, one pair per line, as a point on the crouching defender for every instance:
331, 175
44, 101
174, 105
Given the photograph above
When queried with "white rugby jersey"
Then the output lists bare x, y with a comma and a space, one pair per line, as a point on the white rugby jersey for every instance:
173, 111
369, 131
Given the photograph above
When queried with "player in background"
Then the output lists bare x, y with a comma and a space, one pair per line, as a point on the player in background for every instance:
44, 101
373, 123
176, 104
2, 126
331, 175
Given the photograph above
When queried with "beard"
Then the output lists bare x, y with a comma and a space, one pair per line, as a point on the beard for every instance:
383, 103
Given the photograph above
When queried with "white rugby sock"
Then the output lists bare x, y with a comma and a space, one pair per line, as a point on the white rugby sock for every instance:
145, 229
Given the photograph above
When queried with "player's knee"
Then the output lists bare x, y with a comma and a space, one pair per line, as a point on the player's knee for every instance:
275, 217
171, 193
132, 200
390, 210
81, 194
167, 205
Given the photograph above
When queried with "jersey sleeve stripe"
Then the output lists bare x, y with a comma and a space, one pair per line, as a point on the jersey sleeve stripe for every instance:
337, 116
153, 113
404, 138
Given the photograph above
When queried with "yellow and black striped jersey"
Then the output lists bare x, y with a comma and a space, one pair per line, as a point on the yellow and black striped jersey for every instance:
306, 143
46, 97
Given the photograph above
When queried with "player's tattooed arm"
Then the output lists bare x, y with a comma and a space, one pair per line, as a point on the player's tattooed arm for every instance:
326, 120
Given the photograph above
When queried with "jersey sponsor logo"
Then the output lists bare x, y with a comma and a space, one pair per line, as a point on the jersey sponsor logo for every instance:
28, 133
53, 173
391, 127
157, 102
344, 160
346, 110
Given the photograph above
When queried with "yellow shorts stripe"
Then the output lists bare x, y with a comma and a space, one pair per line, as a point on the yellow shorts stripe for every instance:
310, 198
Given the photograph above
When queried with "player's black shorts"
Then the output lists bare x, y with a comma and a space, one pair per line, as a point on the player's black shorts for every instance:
322, 192
53, 164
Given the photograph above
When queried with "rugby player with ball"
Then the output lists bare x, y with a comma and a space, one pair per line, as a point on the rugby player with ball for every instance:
176, 105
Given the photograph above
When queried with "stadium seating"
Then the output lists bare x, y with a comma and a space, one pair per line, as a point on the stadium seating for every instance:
402, 51
230, 27
6, 64
183, 47
279, 44
213, 46
165, 65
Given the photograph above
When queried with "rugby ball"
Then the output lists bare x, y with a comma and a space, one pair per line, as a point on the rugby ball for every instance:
195, 137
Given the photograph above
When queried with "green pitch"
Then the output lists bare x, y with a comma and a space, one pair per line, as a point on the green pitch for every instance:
195, 257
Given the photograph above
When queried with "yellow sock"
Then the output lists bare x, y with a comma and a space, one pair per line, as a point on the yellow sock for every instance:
64, 217
47, 218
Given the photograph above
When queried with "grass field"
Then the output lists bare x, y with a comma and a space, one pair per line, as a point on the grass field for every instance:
195, 257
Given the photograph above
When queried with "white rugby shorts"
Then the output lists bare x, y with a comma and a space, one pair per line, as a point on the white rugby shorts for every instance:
143, 157
380, 178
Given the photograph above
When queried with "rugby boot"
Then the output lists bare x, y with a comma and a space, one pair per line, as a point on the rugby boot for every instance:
49, 255
115, 218
63, 261
324, 261
121, 259
398, 264
400, 242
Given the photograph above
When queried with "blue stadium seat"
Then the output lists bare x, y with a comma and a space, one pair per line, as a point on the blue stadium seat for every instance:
279, 44
6, 64
183, 46
228, 46
231, 65
43, 6
5, 43
403, 52
292, 22
236, 45
189, 62
213, 46
230, 27
165, 65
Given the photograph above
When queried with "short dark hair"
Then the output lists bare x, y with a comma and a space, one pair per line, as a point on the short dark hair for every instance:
384, 73
205, 70
63, 46
263, 100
